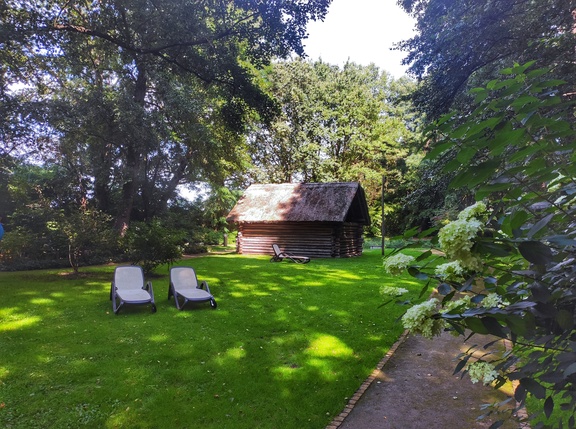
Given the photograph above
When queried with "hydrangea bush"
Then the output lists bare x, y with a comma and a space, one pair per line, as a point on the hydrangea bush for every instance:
507, 265
482, 371
396, 264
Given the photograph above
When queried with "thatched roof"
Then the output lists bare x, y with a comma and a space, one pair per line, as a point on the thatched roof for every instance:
303, 202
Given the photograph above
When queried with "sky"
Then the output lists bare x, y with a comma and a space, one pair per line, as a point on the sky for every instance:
362, 31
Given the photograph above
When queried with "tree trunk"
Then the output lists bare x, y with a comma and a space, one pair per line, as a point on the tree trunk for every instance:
133, 160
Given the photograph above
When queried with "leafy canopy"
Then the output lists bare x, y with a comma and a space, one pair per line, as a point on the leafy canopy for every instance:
137, 97
460, 43
510, 268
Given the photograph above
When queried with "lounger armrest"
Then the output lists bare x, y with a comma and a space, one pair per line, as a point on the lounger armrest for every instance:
204, 285
148, 287
112, 287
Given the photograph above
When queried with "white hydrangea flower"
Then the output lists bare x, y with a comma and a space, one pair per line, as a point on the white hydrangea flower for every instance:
396, 264
419, 321
392, 291
492, 300
482, 371
450, 271
476, 211
465, 302
456, 239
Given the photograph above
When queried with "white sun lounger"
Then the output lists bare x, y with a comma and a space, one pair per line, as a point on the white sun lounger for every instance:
128, 287
184, 287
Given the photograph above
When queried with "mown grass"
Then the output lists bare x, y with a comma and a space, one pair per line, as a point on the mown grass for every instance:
286, 347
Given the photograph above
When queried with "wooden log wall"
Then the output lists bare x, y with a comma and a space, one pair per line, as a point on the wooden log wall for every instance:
312, 239
351, 240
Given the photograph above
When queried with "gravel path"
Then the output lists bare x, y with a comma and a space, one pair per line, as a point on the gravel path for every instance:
414, 387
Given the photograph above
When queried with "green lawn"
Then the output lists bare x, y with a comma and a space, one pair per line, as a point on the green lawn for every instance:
286, 347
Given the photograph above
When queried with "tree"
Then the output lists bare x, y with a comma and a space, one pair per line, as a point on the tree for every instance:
338, 124
510, 268
460, 44
138, 97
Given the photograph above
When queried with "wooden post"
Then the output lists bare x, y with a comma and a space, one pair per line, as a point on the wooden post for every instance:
383, 226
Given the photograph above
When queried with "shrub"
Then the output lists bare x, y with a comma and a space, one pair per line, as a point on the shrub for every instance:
152, 244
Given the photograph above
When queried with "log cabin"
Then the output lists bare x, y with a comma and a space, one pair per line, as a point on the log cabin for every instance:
318, 220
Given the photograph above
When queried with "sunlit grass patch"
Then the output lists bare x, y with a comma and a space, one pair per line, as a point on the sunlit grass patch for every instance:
12, 320
328, 345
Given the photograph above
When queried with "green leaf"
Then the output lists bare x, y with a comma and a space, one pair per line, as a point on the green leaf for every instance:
551, 83
489, 123
477, 90
486, 190
533, 387
490, 85
453, 165
475, 175
494, 248
416, 273
523, 101
517, 325
410, 232
481, 95
537, 72
423, 255
506, 83
444, 118
439, 149
493, 326
565, 319
521, 68
518, 219
466, 154
449, 295
539, 225
570, 370
424, 290
476, 325
428, 232
548, 406
460, 132
513, 137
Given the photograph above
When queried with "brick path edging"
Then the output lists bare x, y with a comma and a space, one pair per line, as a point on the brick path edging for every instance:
339, 419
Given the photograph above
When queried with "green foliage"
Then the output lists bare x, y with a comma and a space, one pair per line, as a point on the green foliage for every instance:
53, 226
21, 249
339, 124
152, 244
516, 151
136, 98
90, 238
50, 224
479, 37
280, 332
